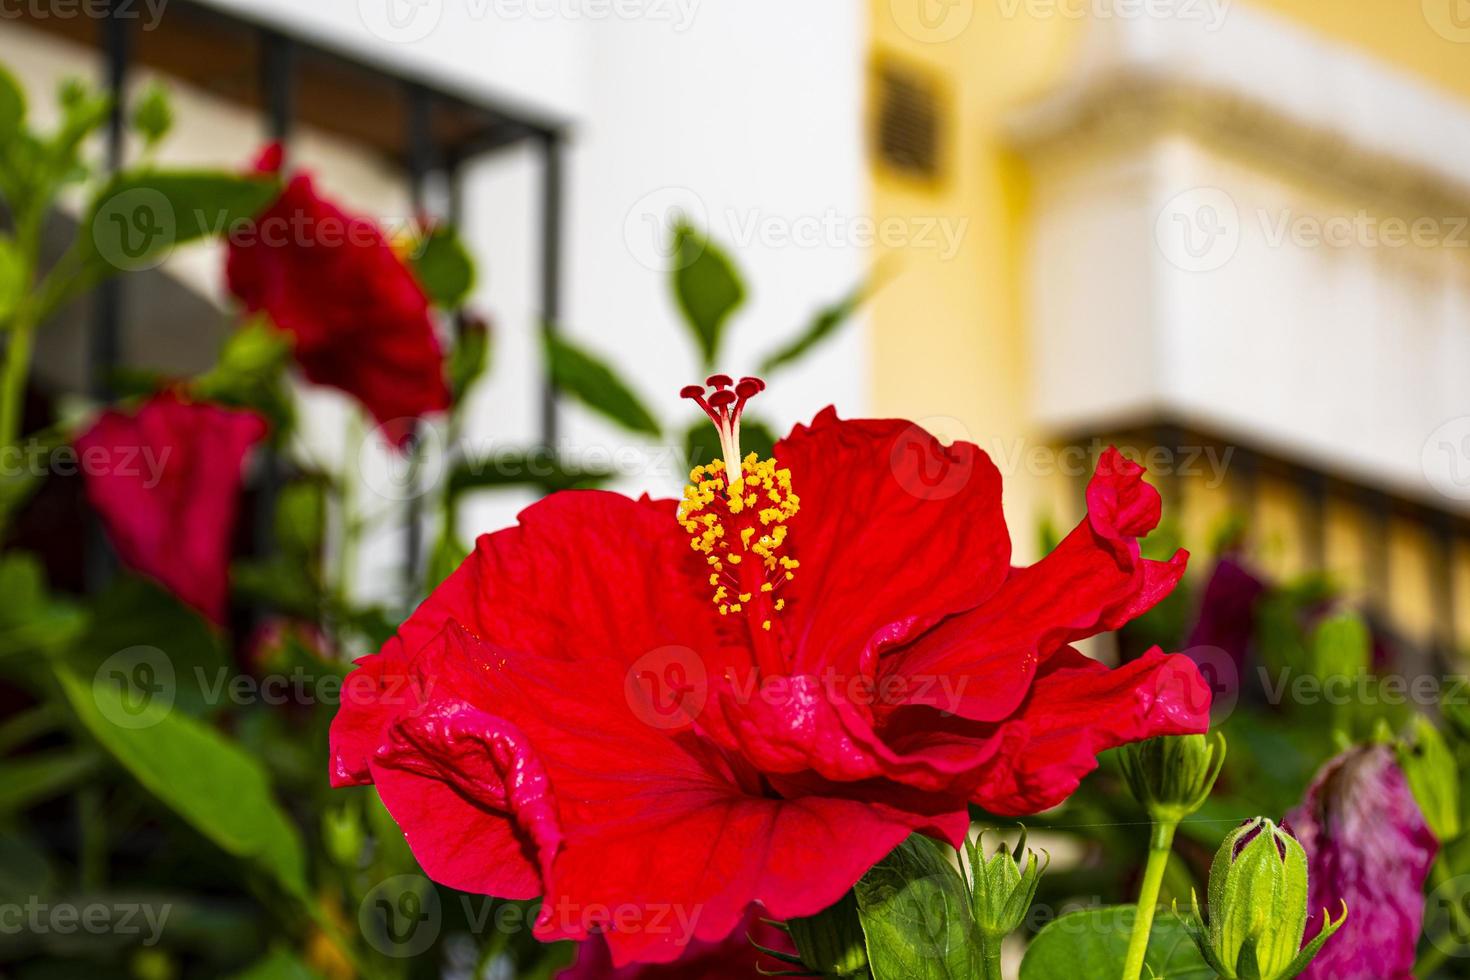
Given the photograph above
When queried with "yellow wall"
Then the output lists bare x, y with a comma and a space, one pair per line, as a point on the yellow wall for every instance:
949, 334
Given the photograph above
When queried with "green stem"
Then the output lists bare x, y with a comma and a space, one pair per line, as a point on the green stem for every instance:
1160, 845
13, 377
990, 956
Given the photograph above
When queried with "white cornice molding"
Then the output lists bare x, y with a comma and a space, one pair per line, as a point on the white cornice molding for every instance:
1260, 82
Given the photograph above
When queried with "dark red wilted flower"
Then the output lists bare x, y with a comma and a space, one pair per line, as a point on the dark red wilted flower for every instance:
358, 317
166, 481
732, 958
814, 661
1227, 610
1367, 845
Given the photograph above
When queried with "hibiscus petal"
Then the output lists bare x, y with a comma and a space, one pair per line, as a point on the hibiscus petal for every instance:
878, 496
732, 958
1077, 708
166, 482
1094, 581
1367, 844
472, 797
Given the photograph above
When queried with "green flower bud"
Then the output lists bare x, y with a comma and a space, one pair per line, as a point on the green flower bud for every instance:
1002, 888
1433, 777
1172, 776
1258, 906
831, 942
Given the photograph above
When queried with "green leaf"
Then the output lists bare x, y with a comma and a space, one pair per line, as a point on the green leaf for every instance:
30, 618
140, 216
1093, 943
593, 383
823, 325
153, 116
470, 357
707, 287
301, 516
280, 965
444, 268
42, 775
1433, 776
12, 105
915, 912
449, 551
220, 790
250, 373
521, 467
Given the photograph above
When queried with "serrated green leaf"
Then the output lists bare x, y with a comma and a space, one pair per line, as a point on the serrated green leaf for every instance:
915, 911
822, 326
589, 380
221, 791
1092, 944
444, 268
707, 287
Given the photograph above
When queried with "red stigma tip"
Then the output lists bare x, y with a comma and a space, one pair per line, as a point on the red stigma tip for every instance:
718, 381
721, 398
691, 391
748, 387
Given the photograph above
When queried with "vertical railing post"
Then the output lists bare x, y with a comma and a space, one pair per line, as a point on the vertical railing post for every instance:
421, 160
551, 229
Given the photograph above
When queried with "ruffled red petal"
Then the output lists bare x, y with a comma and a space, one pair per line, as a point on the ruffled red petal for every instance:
1077, 708
1094, 581
895, 531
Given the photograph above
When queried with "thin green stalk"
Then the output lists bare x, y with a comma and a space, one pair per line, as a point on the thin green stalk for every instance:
1161, 843
990, 957
13, 376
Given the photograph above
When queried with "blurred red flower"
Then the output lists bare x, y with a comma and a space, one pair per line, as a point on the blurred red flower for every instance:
166, 481
359, 319
804, 682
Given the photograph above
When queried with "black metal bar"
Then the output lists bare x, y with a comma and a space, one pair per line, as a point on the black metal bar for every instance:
1442, 581
278, 83
420, 159
105, 348
1313, 486
107, 328
551, 228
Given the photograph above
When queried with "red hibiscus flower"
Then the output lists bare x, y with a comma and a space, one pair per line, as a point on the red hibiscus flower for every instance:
166, 481
656, 713
358, 316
